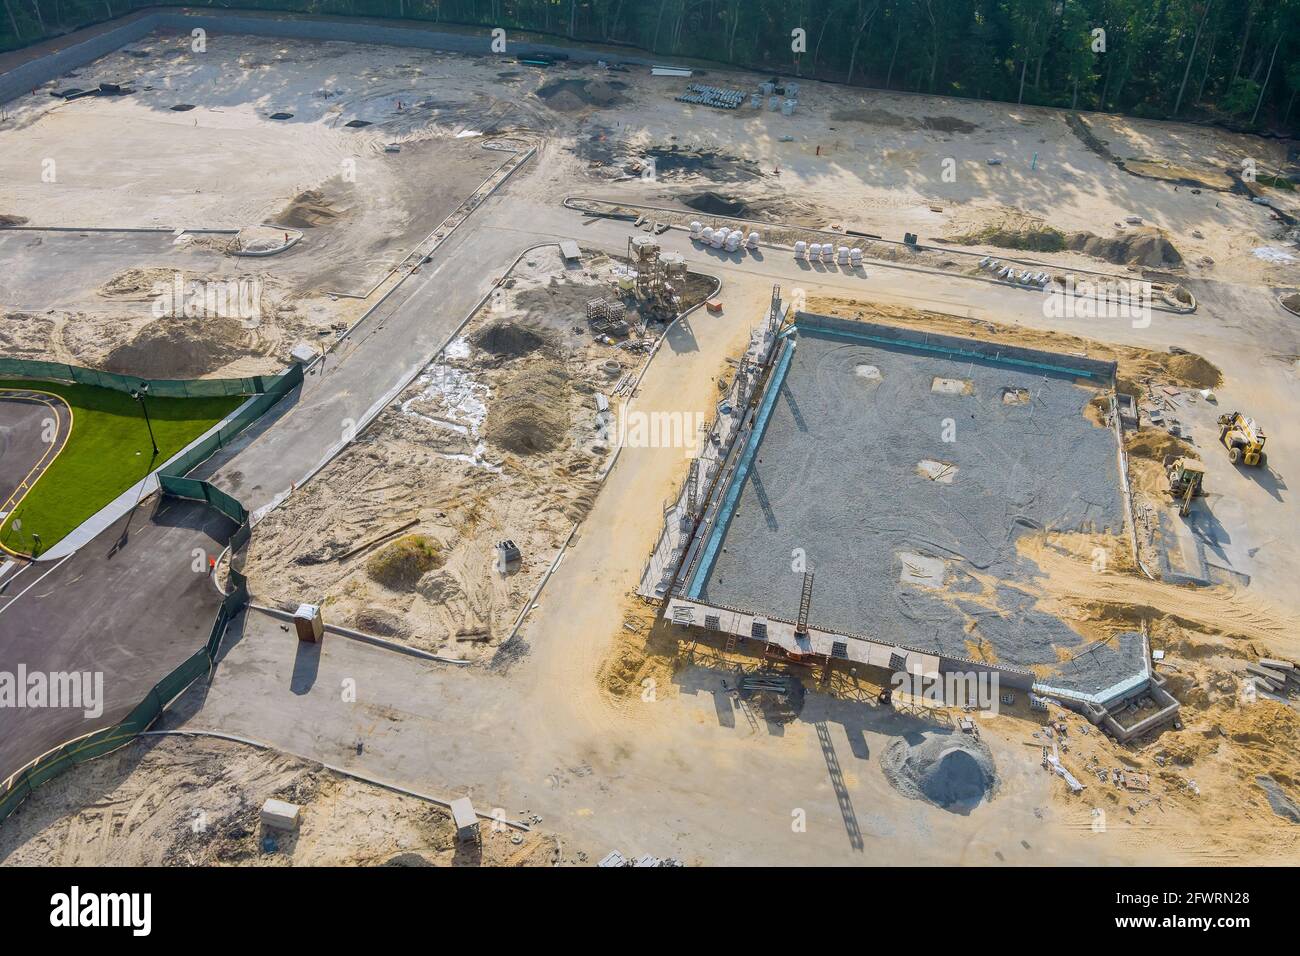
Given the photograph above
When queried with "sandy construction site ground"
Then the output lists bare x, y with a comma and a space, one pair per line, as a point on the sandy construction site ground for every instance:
196, 801
223, 163
876, 163
500, 439
866, 161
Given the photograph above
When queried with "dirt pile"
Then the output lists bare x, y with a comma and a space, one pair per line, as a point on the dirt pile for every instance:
6, 219
641, 662
529, 413
1156, 444
1146, 247
178, 348
1192, 370
1185, 369
715, 165
954, 772
307, 210
716, 204
570, 96
381, 621
877, 117
401, 565
1032, 238
508, 340
1142, 247
137, 283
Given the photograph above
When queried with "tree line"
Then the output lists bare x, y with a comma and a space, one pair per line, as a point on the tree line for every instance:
1236, 61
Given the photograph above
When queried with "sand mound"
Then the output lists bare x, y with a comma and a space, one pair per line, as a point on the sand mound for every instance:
954, 772
380, 621
507, 340
1141, 247
775, 707
1035, 238
137, 283
440, 587
400, 565
1156, 443
1185, 369
1193, 371
178, 348
529, 413
307, 210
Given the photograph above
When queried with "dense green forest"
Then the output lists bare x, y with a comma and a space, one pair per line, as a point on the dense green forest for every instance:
1237, 61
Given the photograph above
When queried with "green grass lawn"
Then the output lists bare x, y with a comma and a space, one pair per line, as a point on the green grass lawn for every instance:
107, 452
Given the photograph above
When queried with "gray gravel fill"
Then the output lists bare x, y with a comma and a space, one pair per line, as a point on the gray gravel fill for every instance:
836, 476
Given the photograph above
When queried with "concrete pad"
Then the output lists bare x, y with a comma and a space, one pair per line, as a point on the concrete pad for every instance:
921, 569
952, 386
941, 472
869, 372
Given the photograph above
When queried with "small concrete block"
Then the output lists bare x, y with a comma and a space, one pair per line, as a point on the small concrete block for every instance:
279, 815
921, 569
463, 815
304, 353
941, 472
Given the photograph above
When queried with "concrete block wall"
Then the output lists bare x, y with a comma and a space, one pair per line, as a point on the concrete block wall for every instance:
32, 74
1103, 372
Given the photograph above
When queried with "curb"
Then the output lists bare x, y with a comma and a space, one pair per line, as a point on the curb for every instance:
362, 637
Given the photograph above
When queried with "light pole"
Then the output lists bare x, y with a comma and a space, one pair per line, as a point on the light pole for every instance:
139, 395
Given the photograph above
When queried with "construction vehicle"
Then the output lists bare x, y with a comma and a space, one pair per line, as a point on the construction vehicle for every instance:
1186, 481
1243, 437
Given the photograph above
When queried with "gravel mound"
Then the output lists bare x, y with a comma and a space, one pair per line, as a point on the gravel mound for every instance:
952, 771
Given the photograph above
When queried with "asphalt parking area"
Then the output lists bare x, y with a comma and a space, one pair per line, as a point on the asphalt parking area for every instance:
34, 427
131, 605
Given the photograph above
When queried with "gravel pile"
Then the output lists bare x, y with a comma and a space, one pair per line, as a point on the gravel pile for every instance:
952, 771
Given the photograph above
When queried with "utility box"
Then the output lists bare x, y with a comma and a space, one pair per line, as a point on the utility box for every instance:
508, 555
465, 819
304, 353
279, 815
309, 623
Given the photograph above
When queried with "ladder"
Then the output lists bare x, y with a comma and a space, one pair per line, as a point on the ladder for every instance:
805, 603
692, 487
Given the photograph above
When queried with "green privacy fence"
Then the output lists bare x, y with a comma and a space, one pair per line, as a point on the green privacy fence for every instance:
161, 387
173, 484
272, 391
